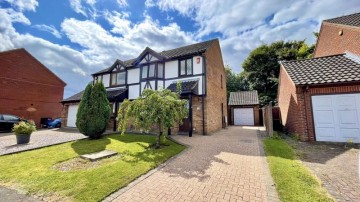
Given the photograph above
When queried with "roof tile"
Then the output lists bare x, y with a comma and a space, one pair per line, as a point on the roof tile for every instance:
244, 98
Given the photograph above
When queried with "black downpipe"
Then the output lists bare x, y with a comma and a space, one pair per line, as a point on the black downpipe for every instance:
190, 116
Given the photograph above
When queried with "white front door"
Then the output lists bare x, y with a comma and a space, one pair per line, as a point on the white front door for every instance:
244, 116
71, 119
336, 117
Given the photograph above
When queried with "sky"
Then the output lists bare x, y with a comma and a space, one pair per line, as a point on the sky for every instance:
75, 38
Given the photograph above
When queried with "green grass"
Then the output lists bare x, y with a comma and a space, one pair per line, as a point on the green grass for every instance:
34, 170
294, 181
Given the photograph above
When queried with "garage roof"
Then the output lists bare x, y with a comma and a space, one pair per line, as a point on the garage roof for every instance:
351, 20
324, 70
244, 98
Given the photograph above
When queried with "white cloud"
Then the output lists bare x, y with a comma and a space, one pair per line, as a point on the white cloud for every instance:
79, 71
243, 25
77, 7
51, 29
122, 3
149, 3
23, 5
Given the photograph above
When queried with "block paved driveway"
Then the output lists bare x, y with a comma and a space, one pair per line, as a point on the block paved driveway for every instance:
226, 166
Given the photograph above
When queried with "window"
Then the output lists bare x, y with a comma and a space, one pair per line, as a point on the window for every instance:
152, 71
118, 78
186, 67
160, 69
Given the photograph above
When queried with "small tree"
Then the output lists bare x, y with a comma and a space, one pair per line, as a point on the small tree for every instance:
154, 108
94, 111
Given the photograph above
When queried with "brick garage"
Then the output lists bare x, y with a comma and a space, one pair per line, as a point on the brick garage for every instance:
244, 108
28, 84
319, 98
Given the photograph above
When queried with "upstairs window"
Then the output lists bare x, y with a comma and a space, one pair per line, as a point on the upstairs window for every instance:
118, 78
152, 71
186, 67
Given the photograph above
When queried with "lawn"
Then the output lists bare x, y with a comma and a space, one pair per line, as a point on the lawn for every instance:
294, 181
41, 171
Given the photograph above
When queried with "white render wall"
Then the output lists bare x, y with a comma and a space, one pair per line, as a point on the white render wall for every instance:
133, 76
171, 69
197, 65
106, 80
133, 92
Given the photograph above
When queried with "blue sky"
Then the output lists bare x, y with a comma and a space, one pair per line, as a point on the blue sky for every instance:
75, 38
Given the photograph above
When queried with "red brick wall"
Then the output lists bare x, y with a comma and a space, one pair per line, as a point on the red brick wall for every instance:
216, 95
331, 43
291, 104
25, 83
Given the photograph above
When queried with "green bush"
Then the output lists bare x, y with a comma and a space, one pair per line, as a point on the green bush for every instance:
24, 128
94, 111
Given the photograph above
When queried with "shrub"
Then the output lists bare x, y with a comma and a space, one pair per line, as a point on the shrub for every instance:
24, 128
94, 111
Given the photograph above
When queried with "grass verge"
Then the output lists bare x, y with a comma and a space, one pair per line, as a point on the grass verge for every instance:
294, 181
35, 171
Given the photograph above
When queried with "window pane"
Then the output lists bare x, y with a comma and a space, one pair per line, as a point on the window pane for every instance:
188, 66
182, 67
113, 79
160, 70
121, 78
152, 70
144, 72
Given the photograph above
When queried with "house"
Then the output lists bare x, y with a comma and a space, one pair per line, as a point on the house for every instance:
244, 108
28, 88
319, 98
200, 69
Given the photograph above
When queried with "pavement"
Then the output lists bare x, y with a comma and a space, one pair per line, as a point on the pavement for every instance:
8, 195
40, 138
228, 165
337, 165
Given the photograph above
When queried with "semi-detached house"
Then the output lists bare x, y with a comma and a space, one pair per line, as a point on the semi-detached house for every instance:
200, 69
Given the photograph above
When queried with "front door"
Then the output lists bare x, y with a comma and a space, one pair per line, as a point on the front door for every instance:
185, 127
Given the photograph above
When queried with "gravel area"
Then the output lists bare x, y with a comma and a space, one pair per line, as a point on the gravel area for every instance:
335, 164
40, 138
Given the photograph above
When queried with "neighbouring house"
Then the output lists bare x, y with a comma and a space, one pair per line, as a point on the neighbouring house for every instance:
28, 88
319, 98
244, 108
200, 69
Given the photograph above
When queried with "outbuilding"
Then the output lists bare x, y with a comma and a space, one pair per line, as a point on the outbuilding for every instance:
244, 108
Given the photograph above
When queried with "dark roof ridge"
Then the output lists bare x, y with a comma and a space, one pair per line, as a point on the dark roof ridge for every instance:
288, 61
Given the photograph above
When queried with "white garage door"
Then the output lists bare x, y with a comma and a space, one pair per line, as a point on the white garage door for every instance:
244, 116
71, 119
336, 117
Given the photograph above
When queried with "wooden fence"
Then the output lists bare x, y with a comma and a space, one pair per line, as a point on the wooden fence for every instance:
267, 111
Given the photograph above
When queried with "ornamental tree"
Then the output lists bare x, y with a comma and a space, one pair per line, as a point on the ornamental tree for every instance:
94, 111
161, 109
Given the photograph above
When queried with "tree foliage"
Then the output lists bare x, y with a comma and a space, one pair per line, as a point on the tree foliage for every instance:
235, 82
262, 67
160, 109
94, 111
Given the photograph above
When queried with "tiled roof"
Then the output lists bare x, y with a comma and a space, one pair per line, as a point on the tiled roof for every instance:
110, 94
186, 86
171, 54
324, 70
351, 20
244, 98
